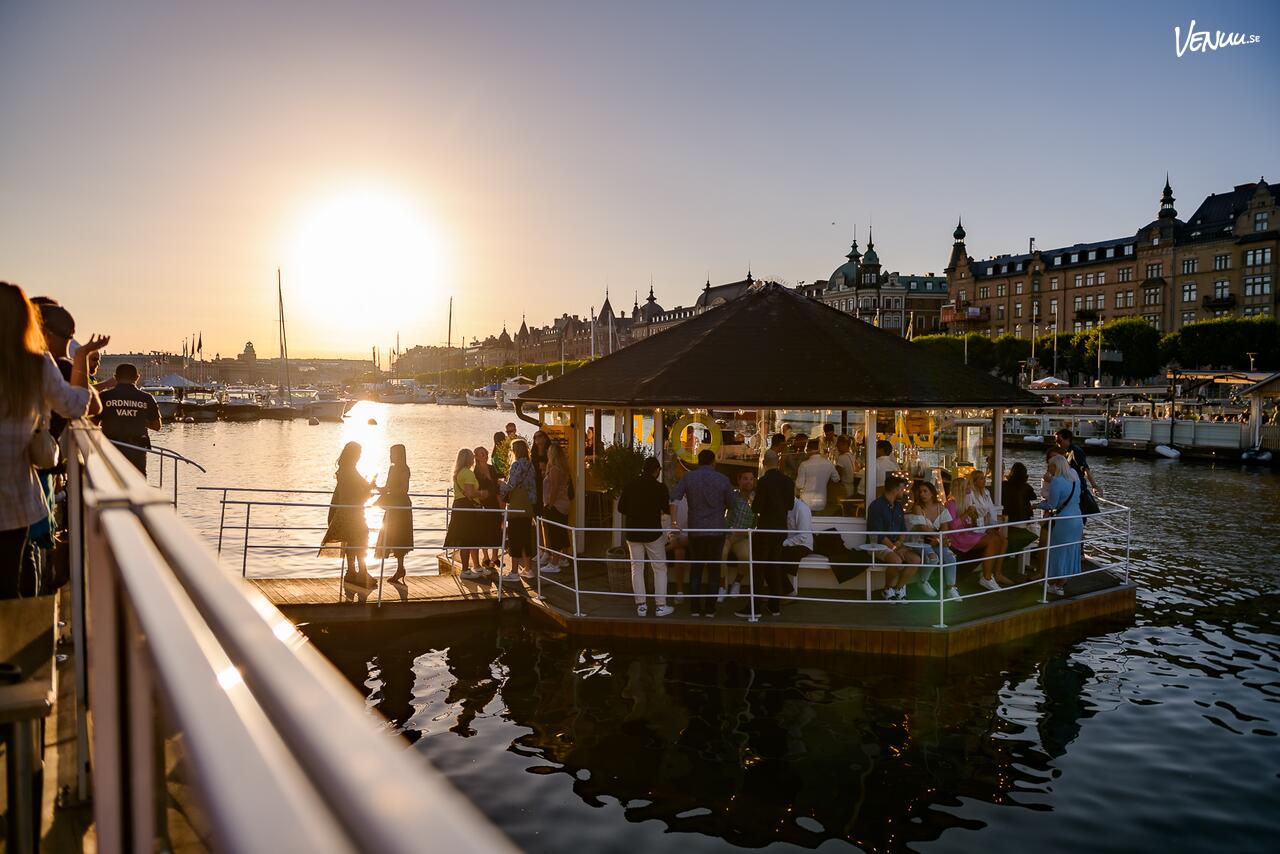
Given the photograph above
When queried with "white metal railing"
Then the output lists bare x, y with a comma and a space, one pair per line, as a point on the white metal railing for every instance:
1106, 536
164, 454
246, 529
191, 663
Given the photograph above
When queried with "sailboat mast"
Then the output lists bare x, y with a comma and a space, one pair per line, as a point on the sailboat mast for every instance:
284, 343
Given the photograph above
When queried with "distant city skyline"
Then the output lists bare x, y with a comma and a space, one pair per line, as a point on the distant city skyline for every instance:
162, 161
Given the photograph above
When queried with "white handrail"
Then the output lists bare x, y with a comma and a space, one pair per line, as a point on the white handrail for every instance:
282, 751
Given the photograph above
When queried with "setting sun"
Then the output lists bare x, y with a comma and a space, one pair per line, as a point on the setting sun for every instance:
364, 263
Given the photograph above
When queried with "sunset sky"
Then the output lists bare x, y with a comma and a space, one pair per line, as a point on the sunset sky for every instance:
161, 160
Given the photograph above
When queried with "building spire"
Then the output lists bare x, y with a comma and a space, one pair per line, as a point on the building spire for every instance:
1167, 211
958, 234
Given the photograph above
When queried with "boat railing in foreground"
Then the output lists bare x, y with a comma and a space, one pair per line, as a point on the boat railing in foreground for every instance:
212, 717
1104, 544
165, 454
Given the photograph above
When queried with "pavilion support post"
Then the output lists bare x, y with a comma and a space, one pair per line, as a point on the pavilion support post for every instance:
997, 454
579, 457
658, 445
1255, 421
597, 417
869, 475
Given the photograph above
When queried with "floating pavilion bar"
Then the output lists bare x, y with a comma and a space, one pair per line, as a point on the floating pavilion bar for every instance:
773, 355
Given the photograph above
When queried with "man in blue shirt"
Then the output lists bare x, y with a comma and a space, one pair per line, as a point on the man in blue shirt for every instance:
889, 526
709, 495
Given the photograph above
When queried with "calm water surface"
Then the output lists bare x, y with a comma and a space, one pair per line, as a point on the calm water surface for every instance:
1155, 733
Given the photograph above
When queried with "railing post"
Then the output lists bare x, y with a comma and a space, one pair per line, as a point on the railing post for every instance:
942, 586
222, 521
1048, 553
751, 576
537, 549
1128, 538
502, 551
244, 559
175, 479
577, 593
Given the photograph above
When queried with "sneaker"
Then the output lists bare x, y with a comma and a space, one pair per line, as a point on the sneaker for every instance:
471, 574
564, 563
902, 593
927, 589
735, 589
988, 584
512, 576
889, 594
952, 592
720, 596
664, 611
709, 613
548, 569
745, 614
642, 610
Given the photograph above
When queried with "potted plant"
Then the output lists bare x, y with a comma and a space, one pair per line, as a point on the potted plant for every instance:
617, 465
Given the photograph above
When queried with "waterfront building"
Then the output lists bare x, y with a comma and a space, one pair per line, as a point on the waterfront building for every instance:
1220, 261
906, 304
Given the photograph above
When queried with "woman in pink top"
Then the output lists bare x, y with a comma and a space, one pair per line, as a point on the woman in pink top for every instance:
971, 509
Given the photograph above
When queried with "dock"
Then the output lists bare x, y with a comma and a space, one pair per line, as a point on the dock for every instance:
305, 600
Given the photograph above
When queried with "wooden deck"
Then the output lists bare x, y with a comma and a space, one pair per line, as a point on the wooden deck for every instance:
849, 625
328, 599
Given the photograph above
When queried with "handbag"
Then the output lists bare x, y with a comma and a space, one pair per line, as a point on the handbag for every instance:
1067, 501
42, 450
519, 502
1088, 504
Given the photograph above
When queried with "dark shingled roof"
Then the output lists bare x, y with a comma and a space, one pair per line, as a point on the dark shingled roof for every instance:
775, 348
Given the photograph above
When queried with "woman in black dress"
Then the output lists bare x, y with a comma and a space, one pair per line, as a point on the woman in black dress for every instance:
396, 537
348, 533
489, 524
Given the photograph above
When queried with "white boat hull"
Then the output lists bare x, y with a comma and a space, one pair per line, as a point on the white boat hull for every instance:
327, 410
484, 401
1167, 452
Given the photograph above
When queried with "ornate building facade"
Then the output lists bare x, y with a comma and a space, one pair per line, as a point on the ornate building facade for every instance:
1220, 261
907, 304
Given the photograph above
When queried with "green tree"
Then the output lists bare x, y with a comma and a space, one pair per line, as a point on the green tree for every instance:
1008, 353
1138, 342
1225, 343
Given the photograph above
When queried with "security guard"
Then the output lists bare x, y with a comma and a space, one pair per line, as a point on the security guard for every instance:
128, 413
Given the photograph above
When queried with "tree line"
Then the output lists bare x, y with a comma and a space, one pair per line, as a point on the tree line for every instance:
469, 378
1222, 343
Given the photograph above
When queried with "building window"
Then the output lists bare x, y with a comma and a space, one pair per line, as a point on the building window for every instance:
1057, 260
1088, 280
1128, 250
1153, 319
1190, 265
1189, 292
1053, 307
1151, 296
1079, 303
1155, 271
1155, 241
1111, 252
1000, 290
1053, 283
1075, 256
1079, 280
1221, 289
1093, 254
1017, 330
1017, 287
984, 292
1262, 221
1257, 257
1000, 312
1088, 302
1102, 301
1017, 309
1188, 317
1256, 286
1254, 310
962, 295
1102, 278
1077, 326
1128, 299
1222, 312
1018, 267
1126, 274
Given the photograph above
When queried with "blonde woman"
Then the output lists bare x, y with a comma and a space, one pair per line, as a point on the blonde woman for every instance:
464, 526
30, 387
555, 509
972, 508
1067, 528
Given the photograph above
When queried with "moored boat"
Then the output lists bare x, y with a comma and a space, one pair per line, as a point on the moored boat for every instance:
486, 397
327, 406
241, 404
166, 400
451, 399
199, 405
